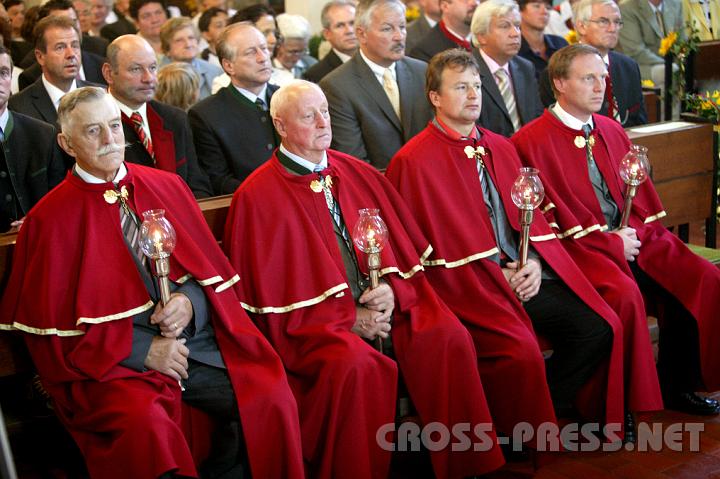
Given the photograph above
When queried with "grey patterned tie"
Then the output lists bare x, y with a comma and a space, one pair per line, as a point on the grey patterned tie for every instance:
503, 83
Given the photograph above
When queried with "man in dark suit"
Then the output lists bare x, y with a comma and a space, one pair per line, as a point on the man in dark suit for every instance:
30, 160
232, 129
157, 135
92, 48
509, 90
623, 87
58, 54
419, 28
338, 21
452, 31
375, 98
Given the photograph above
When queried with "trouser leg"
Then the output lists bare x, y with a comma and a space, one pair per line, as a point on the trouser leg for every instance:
581, 339
209, 389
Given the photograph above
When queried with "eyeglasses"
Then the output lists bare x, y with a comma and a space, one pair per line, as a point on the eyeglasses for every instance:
605, 22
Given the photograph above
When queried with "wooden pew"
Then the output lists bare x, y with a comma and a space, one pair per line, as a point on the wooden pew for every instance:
704, 66
683, 169
653, 105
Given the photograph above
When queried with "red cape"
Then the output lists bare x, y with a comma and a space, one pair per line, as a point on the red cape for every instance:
280, 237
547, 144
440, 182
75, 294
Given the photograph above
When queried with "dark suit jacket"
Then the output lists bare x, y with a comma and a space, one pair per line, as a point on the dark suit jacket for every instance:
172, 144
35, 102
494, 115
318, 71
415, 32
232, 137
434, 42
34, 159
122, 27
363, 121
627, 88
553, 43
92, 65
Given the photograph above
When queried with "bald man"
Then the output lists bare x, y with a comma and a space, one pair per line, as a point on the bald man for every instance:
322, 319
158, 135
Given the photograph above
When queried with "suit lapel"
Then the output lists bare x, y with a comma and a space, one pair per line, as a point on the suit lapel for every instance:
489, 85
647, 12
518, 80
162, 142
42, 103
405, 85
371, 86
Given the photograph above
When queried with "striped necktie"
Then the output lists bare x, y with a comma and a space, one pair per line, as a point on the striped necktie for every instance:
333, 206
137, 122
503, 83
130, 226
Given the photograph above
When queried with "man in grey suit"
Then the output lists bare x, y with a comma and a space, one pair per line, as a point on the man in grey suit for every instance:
510, 97
376, 98
58, 54
338, 21
420, 27
645, 24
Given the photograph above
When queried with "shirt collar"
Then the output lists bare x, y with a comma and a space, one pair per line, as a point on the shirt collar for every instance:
430, 21
654, 8
493, 65
454, 134
4, 119
569, 120
343, 57
252, 96
309, 165
127, 111
54, 92
92, 179
378, 70
468, 38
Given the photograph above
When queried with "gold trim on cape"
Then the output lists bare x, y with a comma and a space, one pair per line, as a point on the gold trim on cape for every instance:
546, 237
652, 218
463, 261
394, 269
113, 317
547, 208
298, 305
589, 230
569, 232
182, 279
41, 332
227, 284
209, 281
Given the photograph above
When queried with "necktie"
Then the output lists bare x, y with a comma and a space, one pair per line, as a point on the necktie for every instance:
503, 83
137, 122
260, 104
661, 23
613, 111
391, 89
332, 205
130, 226
2, 135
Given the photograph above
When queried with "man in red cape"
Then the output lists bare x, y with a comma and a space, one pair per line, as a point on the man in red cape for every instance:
84, 299
579, 154
457, 179
289, 232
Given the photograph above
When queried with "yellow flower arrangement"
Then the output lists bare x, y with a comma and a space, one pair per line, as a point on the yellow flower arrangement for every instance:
412, 13
667, 43
705, 105
648, 84
571, 37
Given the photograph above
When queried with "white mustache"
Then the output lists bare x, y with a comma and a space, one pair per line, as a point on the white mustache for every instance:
109, 149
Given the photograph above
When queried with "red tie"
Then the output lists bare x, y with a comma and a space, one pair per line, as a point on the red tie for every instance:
612, 111
137, 122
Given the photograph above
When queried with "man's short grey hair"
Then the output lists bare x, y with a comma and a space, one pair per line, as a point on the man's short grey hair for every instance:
485, 12
325, 15
582, 10
293, 26
282, 97
71, 100
366, 8
223, 48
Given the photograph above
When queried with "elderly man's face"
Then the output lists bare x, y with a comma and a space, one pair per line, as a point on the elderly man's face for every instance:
183, 45
84, 14
383, 42
503, 38
291, 50
304, 123
582, 93
603, 29
100, 11
135, 80
251, 67
95, 138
